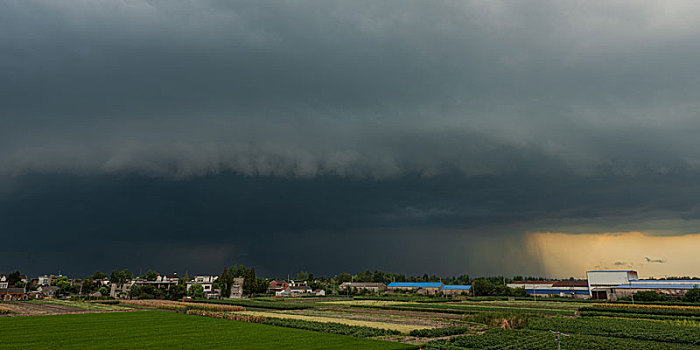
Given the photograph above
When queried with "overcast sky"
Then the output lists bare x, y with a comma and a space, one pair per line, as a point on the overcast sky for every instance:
333, 136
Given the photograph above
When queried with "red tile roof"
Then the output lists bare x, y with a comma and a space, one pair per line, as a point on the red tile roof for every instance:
570, 284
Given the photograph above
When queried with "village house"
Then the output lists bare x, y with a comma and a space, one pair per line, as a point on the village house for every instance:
120, 290
299, 291
237, 288
13, 294
46, 280
298, 283
48, 291
277, 286
207, 283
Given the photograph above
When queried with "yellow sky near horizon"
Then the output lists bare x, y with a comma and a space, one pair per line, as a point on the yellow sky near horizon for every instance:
571, 255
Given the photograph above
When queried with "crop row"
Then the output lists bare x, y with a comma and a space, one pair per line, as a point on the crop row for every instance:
648, 306
80, 305
440, 332
619, 328
181, 306
543, 340
642, 309
326, 327
262, 304
461, 309
634, 315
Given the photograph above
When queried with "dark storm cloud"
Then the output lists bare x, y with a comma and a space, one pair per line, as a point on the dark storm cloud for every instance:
447, 223
349, 88
218, 126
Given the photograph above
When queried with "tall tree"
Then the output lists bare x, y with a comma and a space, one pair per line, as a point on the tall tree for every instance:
249, 282
150, 275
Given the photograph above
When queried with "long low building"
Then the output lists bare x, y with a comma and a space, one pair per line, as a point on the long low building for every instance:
369, 286
418, 287
455, 289
574, 289
616, 284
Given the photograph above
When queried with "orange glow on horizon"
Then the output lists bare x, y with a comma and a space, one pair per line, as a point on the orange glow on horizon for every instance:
571, 255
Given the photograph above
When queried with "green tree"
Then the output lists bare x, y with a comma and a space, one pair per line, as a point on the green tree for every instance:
344, 277
482, 287
224, 282
237, 271
143, 292
692, 296
196, 291
649, 295
98, 275
120, 277
150, 275
13, 278
64, 286
378, 276
261, 286
177, 292
88, 286
249, 282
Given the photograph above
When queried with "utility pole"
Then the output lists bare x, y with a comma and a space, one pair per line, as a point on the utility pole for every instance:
534, 292
559, 334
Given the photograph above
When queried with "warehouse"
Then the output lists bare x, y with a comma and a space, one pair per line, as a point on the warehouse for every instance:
571, 289
615, 284
455, 289
418, 287
601, 283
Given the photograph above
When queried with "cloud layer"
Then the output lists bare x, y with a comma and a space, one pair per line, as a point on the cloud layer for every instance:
328, 119
355, 89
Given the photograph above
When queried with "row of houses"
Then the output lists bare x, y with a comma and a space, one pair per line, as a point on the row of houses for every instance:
293, 288
121, 290
11, 293
44, 287
606, 285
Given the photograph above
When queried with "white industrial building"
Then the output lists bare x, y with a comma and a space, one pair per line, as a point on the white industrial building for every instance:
606, 285
601, 284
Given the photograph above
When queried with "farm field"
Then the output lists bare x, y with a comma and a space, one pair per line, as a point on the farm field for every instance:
56, 307
464, 307
401, 327
385, 323
165, 330
528, 324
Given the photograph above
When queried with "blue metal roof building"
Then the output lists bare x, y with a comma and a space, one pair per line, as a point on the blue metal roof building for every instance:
657, 286
414, 285
456, 287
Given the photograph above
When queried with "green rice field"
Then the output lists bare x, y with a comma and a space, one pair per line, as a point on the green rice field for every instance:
164, 330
